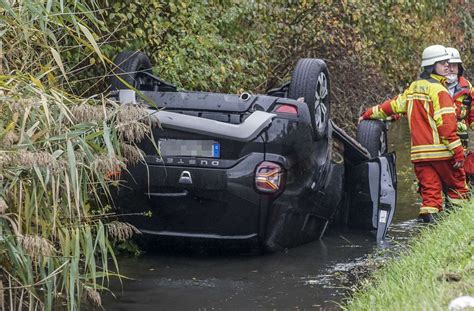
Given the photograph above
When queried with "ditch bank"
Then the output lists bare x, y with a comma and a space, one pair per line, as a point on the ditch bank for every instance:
431, 270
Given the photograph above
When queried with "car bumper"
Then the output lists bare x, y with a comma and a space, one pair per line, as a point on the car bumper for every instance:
219, 204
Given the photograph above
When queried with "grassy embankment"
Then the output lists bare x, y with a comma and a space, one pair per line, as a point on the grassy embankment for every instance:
437, 267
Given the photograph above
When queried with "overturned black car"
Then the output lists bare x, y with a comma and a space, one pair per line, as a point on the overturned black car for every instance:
271, 169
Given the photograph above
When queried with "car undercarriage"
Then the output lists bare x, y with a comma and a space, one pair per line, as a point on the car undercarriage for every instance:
271, 168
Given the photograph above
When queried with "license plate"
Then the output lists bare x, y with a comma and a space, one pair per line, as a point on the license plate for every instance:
189, 148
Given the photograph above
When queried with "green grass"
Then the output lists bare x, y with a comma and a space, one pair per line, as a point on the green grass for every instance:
437, 267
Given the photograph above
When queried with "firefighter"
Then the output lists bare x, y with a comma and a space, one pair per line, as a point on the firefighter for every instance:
436, 150
462, 92
463, 95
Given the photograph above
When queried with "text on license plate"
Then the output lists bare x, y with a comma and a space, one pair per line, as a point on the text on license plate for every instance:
191, 148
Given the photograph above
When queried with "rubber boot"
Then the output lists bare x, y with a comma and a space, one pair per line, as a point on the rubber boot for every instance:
428, 218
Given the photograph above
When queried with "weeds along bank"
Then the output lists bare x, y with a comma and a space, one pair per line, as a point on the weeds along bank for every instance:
61, 137
437, 267
57, 151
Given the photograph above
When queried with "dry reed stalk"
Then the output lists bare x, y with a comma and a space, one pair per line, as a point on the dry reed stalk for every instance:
134, 122
5, 160
9, 140
28, 159
60, 166
1, 58
134, 131
121, 231
24, 104
80, 156
88, 113
93, 296
35, 246
3, 206
32, 159
132, 153
2, 298
104, 164
132, 113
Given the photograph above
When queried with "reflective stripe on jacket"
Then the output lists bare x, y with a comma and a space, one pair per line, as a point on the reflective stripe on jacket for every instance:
431, 117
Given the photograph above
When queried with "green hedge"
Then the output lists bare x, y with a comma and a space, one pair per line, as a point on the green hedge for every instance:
372, 47
195, 44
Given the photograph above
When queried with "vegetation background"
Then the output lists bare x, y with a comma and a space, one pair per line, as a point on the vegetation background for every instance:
372, 47
57, 231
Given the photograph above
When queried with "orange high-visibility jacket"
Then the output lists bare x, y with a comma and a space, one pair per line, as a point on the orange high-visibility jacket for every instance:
431, 116
464, 91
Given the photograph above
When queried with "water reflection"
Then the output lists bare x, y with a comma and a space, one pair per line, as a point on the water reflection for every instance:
302, 277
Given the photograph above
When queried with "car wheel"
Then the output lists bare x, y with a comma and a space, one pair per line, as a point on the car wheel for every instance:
310, 81
130, 66
372, 135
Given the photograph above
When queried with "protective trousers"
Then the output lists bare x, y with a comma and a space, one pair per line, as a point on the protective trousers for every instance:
436, 177
469, 168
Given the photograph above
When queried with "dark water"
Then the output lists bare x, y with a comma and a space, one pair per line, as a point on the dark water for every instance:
309, 277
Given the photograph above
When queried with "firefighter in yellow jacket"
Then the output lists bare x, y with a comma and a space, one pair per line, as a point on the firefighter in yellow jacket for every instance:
436, 150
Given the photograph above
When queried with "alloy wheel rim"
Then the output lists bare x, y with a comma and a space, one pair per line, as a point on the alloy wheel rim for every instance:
320, 109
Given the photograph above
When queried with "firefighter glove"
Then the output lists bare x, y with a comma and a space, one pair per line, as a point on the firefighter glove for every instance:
366, 115
458, 154
458, 164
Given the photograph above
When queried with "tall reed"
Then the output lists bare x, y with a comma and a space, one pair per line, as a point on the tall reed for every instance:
56, 153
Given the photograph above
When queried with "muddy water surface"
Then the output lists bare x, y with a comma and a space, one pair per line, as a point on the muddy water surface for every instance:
310, 277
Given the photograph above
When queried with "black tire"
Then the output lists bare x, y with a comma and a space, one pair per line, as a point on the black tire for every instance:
310, 80
129, 66
372, 134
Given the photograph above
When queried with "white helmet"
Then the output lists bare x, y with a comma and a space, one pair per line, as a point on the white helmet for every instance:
455, 57
433, 54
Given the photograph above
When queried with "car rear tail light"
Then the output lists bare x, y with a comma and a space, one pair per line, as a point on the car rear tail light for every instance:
269, 177
286, 108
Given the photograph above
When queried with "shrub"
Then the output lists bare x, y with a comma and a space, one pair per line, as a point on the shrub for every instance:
372, 47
